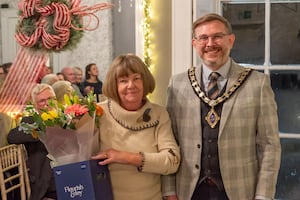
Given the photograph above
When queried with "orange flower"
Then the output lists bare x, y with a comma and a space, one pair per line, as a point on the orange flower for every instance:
18, 116
99, 110
76, 109
35, 134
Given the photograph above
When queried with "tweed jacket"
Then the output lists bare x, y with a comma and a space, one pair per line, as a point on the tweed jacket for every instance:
248, 143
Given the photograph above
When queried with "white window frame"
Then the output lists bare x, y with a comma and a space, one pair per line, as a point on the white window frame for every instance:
267, 66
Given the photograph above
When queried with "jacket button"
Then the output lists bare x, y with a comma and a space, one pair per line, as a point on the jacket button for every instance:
198, 146
197, 166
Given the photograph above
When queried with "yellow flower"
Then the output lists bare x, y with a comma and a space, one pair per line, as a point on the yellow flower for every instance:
76, 99
53, 113
70, 100
50, 115
67, 99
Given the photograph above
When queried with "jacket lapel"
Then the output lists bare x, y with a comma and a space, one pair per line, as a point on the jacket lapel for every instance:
233, 75
197, 101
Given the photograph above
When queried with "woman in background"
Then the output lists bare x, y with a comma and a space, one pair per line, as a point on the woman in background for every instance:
49, 79
61, 88
92, 82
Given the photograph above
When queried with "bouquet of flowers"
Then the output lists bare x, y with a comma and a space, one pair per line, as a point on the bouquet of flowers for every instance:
67, 129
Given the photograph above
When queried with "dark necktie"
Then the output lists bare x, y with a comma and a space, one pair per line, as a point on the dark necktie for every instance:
212, 89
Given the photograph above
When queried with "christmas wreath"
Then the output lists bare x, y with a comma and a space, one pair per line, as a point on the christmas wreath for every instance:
52, 25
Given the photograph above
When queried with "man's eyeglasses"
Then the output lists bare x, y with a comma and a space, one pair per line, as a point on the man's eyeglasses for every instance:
218, 37
46, 100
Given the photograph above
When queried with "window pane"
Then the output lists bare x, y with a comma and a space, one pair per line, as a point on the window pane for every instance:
288, 183
248, 24
286, 86
285, 33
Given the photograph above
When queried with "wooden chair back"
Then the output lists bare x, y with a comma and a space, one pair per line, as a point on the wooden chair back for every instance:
13, 171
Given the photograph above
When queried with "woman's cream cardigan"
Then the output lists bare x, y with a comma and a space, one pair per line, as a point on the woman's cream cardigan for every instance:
128, 131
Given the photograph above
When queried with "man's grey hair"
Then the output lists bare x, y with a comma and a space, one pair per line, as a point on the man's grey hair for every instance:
40, 88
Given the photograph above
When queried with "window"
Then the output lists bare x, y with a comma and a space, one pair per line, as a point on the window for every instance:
269, 38
248, 24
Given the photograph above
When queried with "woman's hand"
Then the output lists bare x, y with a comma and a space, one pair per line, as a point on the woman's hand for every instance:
173, 197
88, 89
121, 157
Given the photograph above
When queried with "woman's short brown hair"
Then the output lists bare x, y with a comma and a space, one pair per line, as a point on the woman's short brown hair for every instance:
124, 65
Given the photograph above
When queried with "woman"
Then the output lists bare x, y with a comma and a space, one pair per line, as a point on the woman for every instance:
136, 138
61, 88
92, 82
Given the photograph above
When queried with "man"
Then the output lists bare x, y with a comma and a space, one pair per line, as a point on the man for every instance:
69, 75
79, 79
40, 173
226, 123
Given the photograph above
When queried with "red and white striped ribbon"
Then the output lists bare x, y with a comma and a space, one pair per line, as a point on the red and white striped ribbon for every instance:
23, 74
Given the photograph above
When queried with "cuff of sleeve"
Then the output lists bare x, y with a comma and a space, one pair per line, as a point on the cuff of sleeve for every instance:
258, 197
140, 168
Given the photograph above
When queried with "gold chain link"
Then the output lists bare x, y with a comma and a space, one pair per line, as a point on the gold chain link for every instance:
213, 102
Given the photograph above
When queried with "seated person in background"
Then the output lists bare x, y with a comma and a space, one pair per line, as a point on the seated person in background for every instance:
92, 82
43, 72
79, 76
60, 76
40, 173
69, 75
4, 69
61, 88
6, 123
49, 79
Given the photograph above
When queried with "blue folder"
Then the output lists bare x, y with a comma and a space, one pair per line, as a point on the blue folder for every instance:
84, 180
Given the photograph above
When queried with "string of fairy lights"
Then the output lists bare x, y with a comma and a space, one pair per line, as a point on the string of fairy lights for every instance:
146, 30
144, 22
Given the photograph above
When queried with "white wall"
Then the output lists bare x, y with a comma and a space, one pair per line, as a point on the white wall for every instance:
94, 47
181, 35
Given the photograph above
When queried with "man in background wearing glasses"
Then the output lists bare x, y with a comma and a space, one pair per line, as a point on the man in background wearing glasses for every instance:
40, 173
